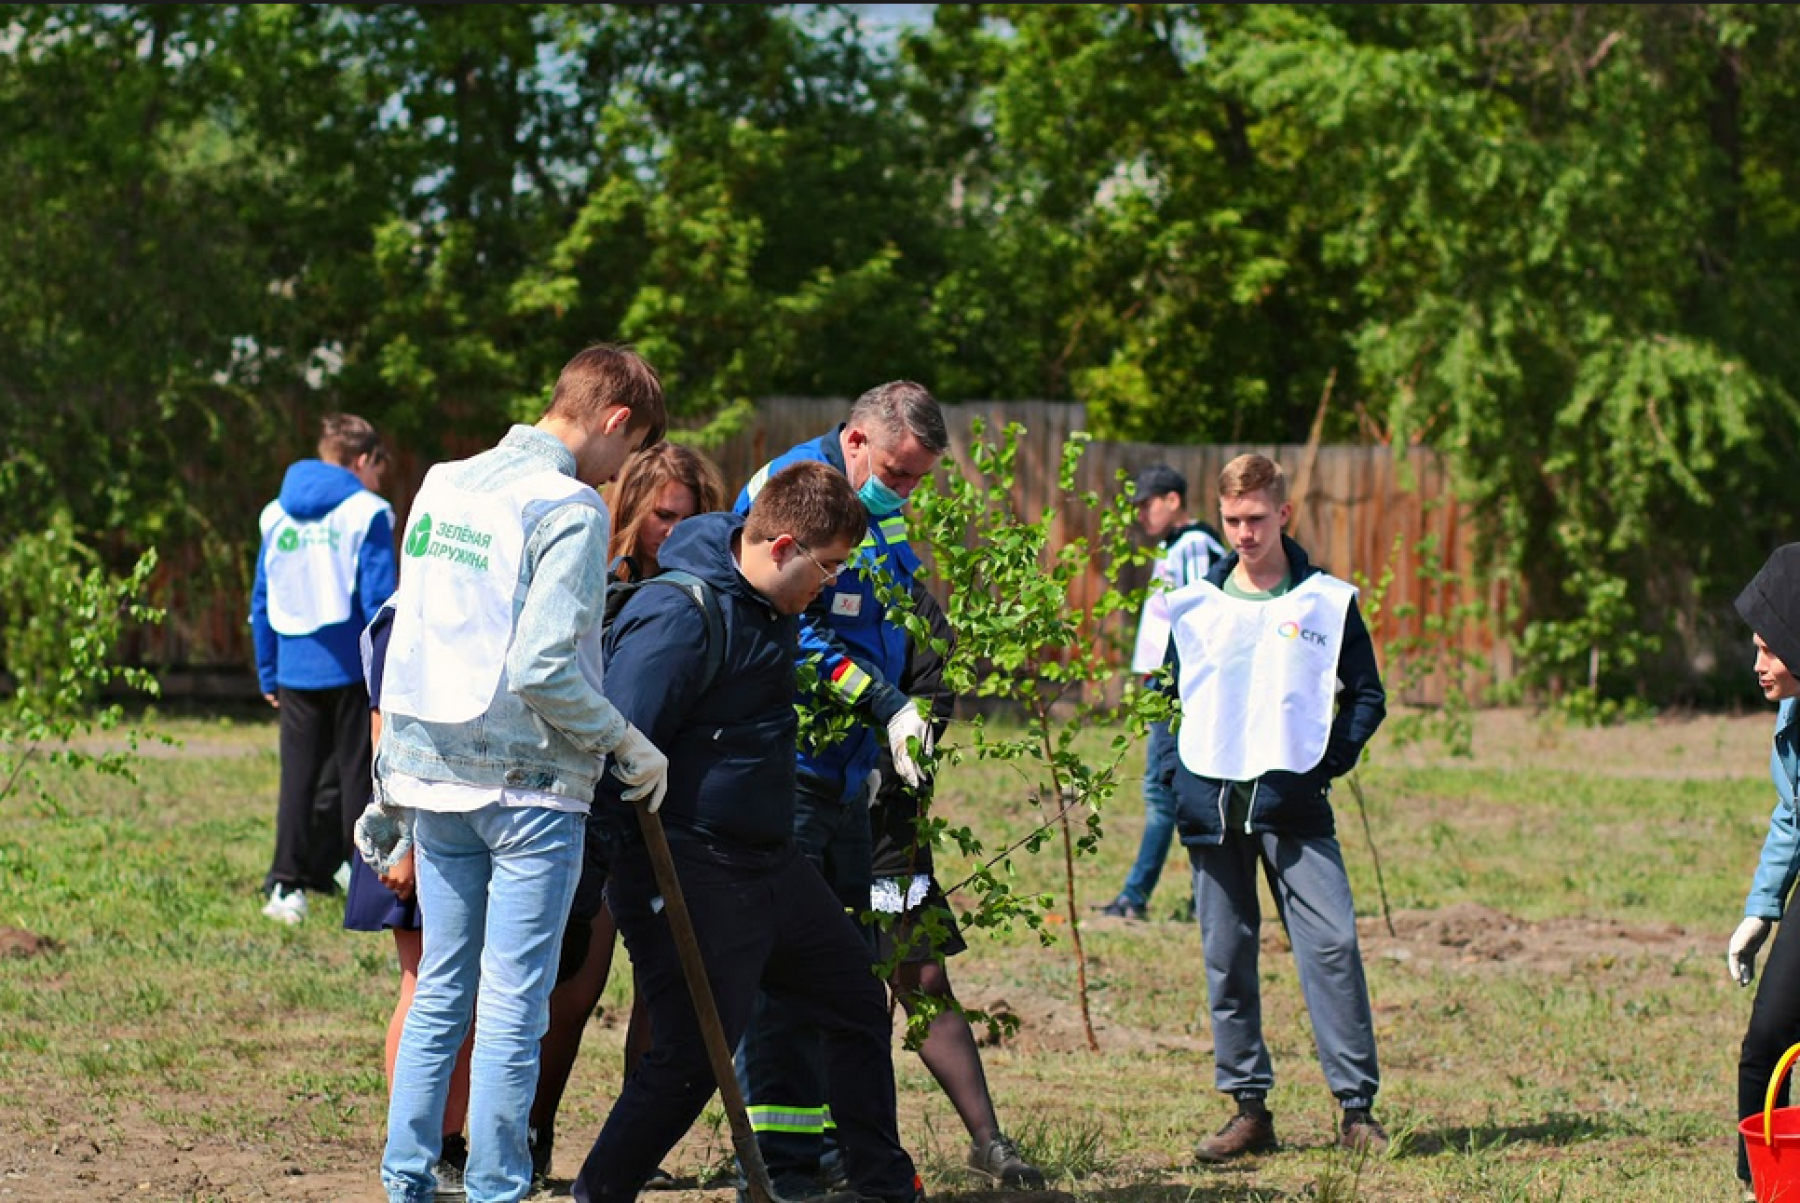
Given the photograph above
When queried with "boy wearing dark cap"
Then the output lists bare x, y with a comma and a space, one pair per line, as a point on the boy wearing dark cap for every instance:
1188, 550
1771, 605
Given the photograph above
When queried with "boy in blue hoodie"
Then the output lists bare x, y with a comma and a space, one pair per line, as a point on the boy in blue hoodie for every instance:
325, 567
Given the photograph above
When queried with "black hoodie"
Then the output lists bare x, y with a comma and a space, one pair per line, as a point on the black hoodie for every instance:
1770, 603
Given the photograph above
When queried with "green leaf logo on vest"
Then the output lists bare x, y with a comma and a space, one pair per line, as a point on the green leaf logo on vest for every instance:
420, 539
288, 540
453, 542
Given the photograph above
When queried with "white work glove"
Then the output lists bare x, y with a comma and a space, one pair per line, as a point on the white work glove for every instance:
903, 727
637, 762
1748, 937
383, 835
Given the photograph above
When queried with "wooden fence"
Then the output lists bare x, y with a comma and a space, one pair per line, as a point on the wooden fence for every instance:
1362, 512
1353, 512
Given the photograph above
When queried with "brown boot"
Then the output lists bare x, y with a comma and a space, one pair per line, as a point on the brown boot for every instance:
1251, 1130
1361, 1133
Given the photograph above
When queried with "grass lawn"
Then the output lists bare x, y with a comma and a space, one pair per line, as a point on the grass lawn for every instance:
1554, 1016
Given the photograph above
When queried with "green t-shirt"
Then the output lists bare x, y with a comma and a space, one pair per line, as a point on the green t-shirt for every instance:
1240, 793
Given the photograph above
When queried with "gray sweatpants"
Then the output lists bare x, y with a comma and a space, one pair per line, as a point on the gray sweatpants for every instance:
1312, 895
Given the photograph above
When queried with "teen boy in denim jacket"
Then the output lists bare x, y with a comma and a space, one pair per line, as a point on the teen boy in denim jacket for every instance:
495, 734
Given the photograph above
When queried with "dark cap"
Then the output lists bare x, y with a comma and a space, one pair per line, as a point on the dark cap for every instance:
1156, 480
1770, 603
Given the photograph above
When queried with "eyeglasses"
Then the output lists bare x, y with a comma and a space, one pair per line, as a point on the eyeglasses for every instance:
828, 575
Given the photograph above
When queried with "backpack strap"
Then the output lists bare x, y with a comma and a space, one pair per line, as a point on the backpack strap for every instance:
703, 596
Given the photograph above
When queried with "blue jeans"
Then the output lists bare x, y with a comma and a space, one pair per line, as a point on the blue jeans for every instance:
1159, 823
496, 885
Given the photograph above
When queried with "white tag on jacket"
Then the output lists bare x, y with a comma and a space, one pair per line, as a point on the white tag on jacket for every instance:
846, 605
309, 567
1258, 678
460, 592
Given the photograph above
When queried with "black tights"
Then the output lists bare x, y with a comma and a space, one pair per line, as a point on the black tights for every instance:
950, 1051
1774, 1028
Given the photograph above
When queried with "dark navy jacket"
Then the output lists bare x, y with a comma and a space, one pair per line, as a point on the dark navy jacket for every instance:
1291, 804
731, 746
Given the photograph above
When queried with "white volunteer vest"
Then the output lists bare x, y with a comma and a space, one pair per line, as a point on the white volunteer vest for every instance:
310, 566
1153, 632
1258, 678
1181, 563
460, 592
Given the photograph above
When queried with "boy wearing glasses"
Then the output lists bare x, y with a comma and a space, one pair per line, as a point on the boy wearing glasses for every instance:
764, 916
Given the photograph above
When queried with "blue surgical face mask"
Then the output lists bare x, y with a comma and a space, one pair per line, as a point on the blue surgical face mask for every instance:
878, 499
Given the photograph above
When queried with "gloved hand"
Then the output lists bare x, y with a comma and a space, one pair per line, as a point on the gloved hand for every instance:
639, 764
908, 725
383, 835
1748, 937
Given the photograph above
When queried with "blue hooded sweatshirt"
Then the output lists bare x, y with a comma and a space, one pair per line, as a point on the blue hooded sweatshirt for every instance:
329, 657
861, 652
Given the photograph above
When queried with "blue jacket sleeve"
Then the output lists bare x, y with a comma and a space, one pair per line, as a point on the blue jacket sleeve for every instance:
262, 635
377, 575
856, 681
1163, 770
1780, 862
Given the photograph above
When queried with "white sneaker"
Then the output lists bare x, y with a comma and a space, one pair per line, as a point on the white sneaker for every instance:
285, 905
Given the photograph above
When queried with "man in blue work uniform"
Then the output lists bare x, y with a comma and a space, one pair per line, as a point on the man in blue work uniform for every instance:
893, 437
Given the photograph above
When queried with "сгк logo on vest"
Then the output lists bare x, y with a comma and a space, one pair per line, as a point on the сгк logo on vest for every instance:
1293, 630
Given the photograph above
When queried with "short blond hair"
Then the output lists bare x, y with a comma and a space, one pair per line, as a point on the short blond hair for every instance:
1248, 473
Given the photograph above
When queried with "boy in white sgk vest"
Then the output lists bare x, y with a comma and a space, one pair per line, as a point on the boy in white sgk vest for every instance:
1279, 693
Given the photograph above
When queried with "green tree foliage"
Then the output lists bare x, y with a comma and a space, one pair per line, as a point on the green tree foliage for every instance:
1022, 640
65, 615
1120, 235
1555, 242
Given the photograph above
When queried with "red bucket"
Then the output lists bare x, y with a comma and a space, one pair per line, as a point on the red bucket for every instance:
1772, 1140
